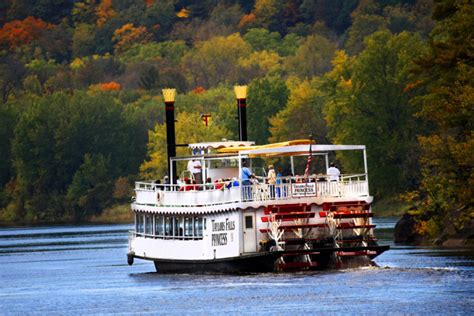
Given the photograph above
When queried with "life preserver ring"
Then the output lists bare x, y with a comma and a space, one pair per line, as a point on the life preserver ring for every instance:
159, 197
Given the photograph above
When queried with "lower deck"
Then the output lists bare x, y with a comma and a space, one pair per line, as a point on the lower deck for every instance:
302, 236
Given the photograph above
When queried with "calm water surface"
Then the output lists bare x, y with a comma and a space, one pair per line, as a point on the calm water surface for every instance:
83, 270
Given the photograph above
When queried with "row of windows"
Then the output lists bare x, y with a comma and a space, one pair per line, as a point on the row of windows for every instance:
169, 226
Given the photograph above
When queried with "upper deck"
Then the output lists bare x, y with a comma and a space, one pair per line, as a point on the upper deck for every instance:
231, 193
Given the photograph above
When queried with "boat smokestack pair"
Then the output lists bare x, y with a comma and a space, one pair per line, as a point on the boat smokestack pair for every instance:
241, 94
169, 96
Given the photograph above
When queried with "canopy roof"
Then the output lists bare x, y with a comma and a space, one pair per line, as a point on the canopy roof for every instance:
236, 149
295, 150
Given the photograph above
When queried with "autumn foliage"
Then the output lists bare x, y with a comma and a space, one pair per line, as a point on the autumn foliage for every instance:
129, 35
18, 33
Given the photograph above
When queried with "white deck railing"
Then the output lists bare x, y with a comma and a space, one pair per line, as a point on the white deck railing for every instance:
185, 195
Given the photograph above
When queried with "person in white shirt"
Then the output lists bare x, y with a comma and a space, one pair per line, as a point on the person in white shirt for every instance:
194, 166
333, 172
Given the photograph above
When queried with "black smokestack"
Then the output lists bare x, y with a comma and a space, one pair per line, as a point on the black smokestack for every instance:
241, 94
169, 95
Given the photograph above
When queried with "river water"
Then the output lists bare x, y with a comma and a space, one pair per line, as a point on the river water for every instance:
83, 270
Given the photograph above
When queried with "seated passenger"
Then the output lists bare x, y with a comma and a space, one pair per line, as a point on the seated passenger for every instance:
219, 184
209, 184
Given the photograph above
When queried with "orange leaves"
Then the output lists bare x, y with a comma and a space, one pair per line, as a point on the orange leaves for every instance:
18, 33
199, 90
106, 86
129, 35
104, 12
411, 86
183, 13
246, 20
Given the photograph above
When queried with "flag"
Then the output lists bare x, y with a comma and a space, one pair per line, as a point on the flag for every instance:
308, 164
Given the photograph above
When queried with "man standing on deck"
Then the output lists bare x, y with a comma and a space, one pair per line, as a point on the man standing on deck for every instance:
194, 166
333, 172
245, 176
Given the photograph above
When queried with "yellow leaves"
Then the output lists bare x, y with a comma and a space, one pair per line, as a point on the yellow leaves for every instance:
76, 64
183, 13
346, 84
266, 62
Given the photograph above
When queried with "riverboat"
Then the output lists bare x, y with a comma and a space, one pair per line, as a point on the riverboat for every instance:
229, 225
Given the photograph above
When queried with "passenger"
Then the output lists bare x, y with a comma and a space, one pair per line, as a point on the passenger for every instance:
333, 172
166, 182
246, 174
271, 178
194, 166
209, 184
218, 184
232, 183
278, 183
245, 177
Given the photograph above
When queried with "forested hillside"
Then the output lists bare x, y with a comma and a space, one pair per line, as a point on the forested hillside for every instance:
81, 111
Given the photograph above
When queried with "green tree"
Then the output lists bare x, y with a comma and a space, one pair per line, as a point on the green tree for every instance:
215, 61
302, 116
91, 188
263, 39
368, 104
313, 57
446, 70
266, 97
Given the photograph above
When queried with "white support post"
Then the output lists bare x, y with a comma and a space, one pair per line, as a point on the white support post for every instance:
326, 158
240, 179
203, 173
292, 166
366, 171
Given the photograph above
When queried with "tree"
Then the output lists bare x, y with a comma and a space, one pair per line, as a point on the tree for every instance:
128, 36
260, 64
91, 188
368, 104
215, 61
362, 26
266, 97
302, 116
446, 70
313, 57
18, 33
11, 76
262, 39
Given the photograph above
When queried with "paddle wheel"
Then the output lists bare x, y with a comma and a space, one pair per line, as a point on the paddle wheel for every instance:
316, 237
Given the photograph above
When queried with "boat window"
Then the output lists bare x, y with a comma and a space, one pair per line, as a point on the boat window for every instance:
159, 225
198, 227
140, 226
168, 227
248, 221
148, 224
179, 226
188, 227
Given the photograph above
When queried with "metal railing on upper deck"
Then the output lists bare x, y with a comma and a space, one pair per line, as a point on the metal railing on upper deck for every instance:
232, 191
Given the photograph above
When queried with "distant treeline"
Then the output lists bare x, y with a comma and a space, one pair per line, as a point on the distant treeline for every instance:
81, 112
